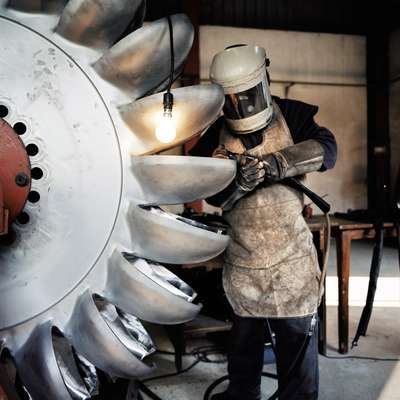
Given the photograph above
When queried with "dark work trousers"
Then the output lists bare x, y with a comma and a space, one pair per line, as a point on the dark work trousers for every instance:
246, 356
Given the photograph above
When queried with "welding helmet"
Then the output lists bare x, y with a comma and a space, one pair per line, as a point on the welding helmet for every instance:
241, 71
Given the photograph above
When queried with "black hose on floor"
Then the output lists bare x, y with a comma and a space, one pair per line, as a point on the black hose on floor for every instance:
295, 365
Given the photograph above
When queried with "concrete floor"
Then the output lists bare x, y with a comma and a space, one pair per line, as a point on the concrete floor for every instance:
345, 379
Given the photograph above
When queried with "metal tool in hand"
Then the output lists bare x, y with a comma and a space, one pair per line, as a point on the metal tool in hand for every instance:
291, 182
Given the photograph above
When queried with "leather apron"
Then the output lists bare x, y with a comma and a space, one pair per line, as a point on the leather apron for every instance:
271, 266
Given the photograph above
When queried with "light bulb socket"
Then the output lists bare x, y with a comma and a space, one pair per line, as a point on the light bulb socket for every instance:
168, 101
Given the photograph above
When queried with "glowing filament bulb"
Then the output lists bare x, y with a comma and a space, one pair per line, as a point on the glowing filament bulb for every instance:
165, 131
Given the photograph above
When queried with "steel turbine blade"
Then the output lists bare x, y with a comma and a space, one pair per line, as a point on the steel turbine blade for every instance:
170, 239
180, 179
138, 64
39, 367
92, 337
150, 292
95, 23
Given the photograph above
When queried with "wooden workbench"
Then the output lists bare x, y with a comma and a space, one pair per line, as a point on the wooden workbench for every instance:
345, 231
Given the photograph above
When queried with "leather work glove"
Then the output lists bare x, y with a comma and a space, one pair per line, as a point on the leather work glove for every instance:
295, 160
250, 173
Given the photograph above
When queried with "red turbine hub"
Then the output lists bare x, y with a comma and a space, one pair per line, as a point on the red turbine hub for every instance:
15, 176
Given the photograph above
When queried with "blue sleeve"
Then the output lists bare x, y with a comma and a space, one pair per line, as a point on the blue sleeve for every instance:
327, 140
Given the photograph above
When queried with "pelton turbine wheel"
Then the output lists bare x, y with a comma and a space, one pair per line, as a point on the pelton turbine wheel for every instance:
81, 82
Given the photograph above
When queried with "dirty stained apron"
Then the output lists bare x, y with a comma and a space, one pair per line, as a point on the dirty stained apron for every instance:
271, 266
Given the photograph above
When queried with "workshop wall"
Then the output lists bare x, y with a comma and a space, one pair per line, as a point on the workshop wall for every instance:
394, 106
330, 72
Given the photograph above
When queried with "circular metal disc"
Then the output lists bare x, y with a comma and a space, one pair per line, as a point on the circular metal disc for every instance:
71, 139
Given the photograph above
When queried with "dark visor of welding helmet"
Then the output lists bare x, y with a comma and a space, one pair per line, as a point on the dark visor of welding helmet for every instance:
247, 103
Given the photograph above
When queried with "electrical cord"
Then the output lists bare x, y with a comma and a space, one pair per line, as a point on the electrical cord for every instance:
204, 357
172, 53
297, 360
326, 257
201, 354
168, 98
225, 378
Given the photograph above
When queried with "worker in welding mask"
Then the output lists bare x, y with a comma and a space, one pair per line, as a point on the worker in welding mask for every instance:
271, 273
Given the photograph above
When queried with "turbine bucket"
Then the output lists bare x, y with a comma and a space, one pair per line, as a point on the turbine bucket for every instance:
180, 179
149, 291
171, 239
126, 329
37, 6
136, 64
104, 342
46, 361
95, 23
195, 109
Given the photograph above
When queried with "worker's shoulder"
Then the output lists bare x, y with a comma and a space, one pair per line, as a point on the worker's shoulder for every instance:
291, 106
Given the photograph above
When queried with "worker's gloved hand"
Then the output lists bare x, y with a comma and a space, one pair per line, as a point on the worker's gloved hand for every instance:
295, 160
250, 174
250, 171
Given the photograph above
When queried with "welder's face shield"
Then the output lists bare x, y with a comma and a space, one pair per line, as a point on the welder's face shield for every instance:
241, 70
246, 103
247, 110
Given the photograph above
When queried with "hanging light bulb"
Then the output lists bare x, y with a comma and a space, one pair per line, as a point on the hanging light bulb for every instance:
166, 131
